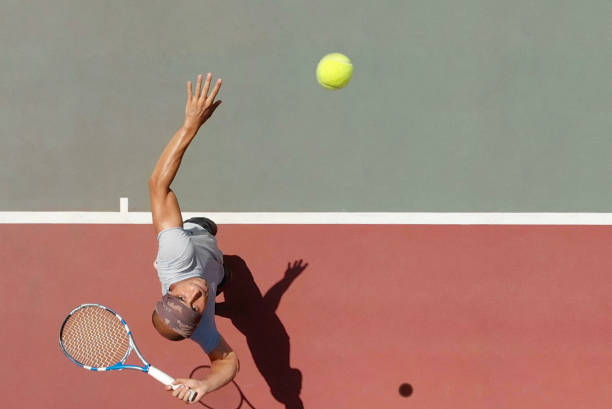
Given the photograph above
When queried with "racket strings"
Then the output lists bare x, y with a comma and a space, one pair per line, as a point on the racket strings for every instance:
95, 337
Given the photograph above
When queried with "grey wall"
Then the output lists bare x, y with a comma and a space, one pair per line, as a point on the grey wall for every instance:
473, 105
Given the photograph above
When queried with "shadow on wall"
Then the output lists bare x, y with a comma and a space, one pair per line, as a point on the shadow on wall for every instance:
254, 315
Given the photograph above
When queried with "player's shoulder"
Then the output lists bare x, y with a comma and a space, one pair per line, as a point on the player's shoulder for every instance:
176, 232
174, 243
207, 337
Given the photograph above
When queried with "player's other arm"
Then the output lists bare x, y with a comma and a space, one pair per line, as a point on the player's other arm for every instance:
224, 366
199, 107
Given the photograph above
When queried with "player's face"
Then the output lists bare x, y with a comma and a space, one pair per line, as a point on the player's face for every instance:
193, 292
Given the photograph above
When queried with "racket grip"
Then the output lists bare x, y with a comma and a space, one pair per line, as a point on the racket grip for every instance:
166, 379
161, 376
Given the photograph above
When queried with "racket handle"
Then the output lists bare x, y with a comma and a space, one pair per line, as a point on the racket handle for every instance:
166, 379
160, 376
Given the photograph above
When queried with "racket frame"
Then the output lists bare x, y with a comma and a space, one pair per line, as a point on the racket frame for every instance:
119, 366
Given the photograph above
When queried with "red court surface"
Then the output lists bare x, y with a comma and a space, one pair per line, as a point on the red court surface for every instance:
470, 316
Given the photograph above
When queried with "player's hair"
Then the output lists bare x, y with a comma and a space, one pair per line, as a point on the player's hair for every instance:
163, 329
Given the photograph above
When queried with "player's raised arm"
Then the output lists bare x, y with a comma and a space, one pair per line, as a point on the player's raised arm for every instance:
199, 107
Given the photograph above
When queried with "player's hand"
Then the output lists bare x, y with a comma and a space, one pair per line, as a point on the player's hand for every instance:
182, 392
200, 106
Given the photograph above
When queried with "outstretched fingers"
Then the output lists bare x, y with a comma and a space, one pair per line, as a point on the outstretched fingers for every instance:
200, 106
199, 86
206, 86
189, 90
215, 91
202, 90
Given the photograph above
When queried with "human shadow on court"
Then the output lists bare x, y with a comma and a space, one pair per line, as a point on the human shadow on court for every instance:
254, 315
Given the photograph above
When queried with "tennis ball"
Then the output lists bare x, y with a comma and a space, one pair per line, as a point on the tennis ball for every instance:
334, 71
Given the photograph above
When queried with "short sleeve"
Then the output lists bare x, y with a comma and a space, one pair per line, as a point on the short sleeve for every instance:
206, 334
176, 253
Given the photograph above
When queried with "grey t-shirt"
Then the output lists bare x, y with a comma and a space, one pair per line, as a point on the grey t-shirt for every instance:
188, 252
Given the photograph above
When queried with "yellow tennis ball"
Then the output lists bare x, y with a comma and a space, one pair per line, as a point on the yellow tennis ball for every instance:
334, 71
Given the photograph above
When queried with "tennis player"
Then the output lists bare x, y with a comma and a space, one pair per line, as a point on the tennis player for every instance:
189, 263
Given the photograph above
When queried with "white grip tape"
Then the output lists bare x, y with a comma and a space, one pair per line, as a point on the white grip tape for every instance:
167, 380
160, 376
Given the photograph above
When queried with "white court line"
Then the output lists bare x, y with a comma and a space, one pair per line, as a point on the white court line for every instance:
126, 217
315, 218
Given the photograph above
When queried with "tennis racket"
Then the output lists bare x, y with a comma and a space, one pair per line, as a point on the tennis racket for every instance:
96, 338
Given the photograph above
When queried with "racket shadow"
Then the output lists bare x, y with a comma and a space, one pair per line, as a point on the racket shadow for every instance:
228, 397
254, 315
